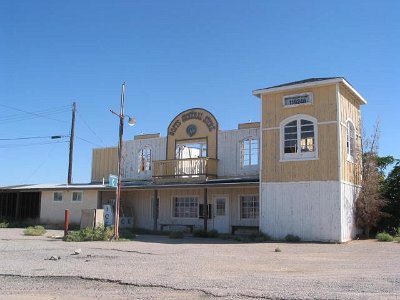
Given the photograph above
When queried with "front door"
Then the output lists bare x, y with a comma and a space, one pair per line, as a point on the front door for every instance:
221, 213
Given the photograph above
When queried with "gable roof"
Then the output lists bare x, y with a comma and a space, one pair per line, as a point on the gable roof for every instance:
309, 82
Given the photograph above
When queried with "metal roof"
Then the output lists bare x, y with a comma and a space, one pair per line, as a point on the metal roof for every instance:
137, 185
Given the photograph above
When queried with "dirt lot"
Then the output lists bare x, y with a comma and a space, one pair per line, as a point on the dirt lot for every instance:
154, 267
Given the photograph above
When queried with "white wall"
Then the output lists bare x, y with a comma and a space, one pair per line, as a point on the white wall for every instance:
349, 196
310, 210
130, 154
52, 212
229, 153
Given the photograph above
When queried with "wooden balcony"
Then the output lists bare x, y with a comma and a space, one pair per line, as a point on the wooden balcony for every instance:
190, 169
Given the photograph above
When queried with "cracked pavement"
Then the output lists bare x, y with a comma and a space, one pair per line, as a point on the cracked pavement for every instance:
156, 267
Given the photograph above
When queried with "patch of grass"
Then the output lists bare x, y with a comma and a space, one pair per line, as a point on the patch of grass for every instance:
4, 224
291, 238
384, 237
35, 231
176, 235
89, 234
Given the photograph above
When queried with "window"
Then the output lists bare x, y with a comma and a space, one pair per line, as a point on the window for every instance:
249, 207
249, 152
298, 138
185, 207
57, 196
77, 196
351, 141
191, 150
144, 160
220, 207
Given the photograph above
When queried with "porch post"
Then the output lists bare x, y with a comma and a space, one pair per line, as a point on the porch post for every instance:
205, 210
155, 215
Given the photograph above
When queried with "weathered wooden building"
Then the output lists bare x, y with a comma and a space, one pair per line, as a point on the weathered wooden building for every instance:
296, 172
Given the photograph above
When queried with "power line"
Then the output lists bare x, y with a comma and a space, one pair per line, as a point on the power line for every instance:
32, 113
87, 125
97, 145
30, 144
35, 137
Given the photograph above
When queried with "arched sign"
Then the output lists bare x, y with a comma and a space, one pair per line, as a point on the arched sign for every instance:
193, 126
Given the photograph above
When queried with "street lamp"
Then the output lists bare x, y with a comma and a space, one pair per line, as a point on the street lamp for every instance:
131, 122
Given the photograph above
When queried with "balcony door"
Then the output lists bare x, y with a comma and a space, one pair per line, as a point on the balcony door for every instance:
188, 153
189, 149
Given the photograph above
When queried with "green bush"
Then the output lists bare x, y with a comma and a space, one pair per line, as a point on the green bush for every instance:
260, 237
35, 231
290, 238
90, 234
4, 224
384, 237
176, 235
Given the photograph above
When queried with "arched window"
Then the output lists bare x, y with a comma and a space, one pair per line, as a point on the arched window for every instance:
249, 150
144, 160
351, 141
299, 138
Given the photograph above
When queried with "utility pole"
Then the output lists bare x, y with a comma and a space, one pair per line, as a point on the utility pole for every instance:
71, 143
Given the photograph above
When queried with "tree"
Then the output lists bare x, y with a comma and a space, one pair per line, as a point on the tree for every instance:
370, 200
391, 190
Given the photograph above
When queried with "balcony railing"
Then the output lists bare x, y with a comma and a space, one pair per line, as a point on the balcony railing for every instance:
189, 168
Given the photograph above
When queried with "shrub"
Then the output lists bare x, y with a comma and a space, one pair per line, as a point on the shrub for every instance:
290, 238
176, 235
260, 237
4, 224
35, 231
90, 234
384, 237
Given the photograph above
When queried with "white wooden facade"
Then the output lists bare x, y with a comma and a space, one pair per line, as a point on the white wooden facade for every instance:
256, 176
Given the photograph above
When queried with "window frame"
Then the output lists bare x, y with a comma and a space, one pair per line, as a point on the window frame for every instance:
243, 155
298, 155
62, 196
144, 160
350, 145
72, 196
195, 197
255, 208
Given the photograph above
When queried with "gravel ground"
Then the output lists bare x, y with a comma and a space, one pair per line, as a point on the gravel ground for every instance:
155, 267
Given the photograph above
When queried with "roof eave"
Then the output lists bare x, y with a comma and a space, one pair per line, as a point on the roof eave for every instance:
260, 92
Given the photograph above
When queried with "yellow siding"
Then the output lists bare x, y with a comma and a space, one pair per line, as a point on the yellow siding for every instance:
324, 110
104, 163
202, 133
322, 169
323, 107
350, 109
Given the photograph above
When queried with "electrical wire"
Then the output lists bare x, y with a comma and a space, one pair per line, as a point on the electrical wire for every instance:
87, 125
40, 115
35, 137
30, 144
82, 139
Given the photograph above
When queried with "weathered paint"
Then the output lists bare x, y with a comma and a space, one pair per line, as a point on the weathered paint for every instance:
52, 212
310, 210
229, 153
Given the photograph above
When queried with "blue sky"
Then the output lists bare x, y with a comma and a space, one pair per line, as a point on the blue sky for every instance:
174, 55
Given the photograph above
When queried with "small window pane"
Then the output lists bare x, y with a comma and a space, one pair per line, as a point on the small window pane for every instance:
220, 207
58, 196
76, 196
